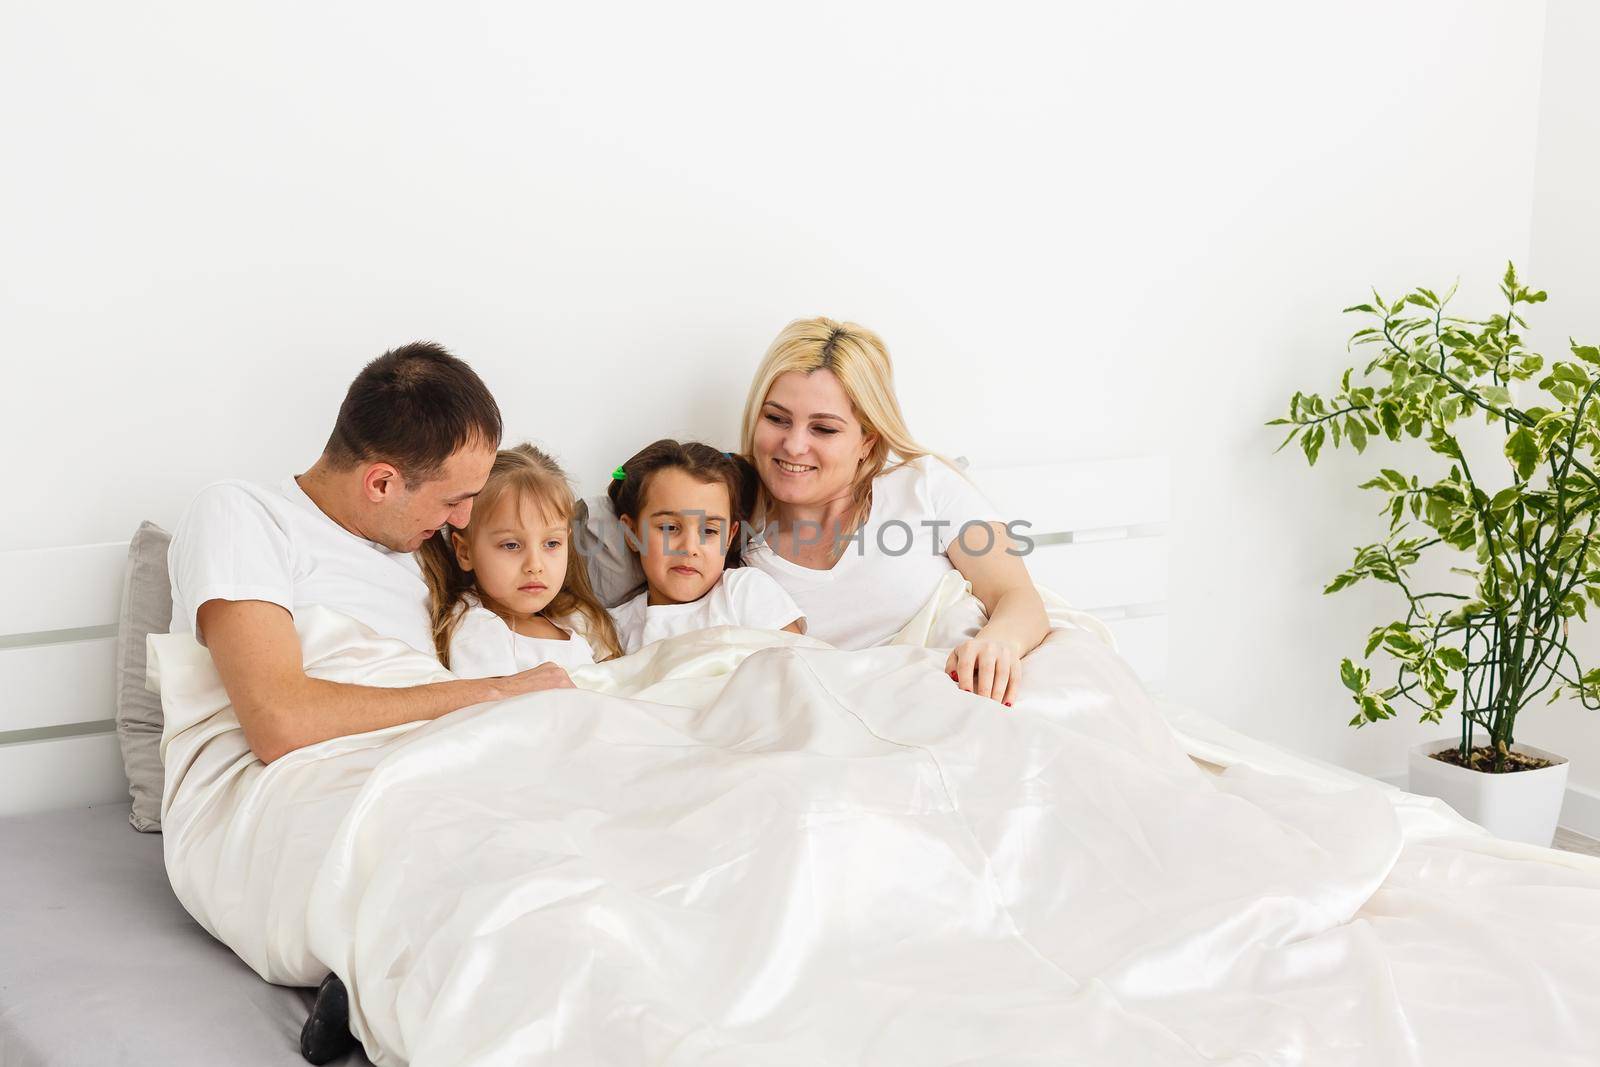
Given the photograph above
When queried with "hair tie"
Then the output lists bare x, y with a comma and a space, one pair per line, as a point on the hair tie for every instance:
619, 474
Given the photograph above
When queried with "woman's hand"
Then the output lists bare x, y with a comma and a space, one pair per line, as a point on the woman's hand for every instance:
986, 667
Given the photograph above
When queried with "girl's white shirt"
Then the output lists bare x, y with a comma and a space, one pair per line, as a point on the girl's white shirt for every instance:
483, 646
741, 597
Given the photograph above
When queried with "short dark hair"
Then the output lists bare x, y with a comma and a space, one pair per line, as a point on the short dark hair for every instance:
413, 406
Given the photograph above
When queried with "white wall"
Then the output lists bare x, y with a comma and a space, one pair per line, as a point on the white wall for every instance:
1565, 261
1361, 184
1085, 230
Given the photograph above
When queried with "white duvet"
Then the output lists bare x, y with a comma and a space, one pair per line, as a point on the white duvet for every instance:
745, 848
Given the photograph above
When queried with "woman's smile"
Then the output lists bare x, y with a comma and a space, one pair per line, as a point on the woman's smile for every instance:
792, 469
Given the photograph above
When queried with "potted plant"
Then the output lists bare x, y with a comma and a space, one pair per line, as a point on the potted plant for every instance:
1523, 534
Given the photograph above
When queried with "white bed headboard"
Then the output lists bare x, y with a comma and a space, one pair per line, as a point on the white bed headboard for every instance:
58, 742
1099, 529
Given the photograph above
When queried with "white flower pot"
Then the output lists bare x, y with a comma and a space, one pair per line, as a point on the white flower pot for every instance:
1521, 806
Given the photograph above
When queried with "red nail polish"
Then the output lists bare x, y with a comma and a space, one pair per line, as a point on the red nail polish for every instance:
953, 677
1008, 703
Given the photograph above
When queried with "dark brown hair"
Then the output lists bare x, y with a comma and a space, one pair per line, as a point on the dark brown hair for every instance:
700, 462
530, 472
413, 407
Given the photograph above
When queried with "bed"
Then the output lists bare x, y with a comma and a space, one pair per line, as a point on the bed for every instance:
99, 964
97, 955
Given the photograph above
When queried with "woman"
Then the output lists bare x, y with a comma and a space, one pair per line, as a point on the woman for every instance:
861, 543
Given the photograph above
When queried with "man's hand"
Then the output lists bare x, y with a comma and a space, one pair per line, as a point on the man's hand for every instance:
258, 656
544, 676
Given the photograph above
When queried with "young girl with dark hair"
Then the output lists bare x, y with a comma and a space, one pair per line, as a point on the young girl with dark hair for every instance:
681, 505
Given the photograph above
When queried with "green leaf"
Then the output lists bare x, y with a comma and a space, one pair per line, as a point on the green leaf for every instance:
1373, 709
1570, 372
1311, 444
1353, 677
1441, 441
1357, 433
1348, 578
1522, 449
1587, 353
1401, 642
1389, 418
1505, 498
1452, 658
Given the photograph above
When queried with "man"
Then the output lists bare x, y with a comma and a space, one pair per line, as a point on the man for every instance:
411, 448
412, 445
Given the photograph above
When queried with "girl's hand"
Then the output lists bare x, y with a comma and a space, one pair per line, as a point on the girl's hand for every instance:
988, 668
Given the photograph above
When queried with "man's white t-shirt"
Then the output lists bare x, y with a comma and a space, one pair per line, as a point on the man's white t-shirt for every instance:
483, 646
895, 564
240, 541
742, 597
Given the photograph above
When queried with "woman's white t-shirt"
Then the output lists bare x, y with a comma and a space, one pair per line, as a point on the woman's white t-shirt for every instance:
895, 562
241, 541
483, 646
742, 597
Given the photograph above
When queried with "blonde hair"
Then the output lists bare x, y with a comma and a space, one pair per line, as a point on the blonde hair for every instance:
860, 360
535, 477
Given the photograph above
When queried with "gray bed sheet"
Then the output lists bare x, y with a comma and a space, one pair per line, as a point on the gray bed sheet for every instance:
100, 966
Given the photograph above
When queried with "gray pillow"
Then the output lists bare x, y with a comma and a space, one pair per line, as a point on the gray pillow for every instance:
614, 571
146, 609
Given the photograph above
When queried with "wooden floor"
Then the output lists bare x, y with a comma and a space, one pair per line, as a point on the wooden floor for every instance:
1571, 842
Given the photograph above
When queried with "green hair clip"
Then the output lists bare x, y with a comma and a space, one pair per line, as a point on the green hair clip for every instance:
619, 474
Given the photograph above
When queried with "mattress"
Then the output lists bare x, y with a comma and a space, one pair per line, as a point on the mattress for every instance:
101, 967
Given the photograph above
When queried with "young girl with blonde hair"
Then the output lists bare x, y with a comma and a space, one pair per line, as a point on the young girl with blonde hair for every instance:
507, 592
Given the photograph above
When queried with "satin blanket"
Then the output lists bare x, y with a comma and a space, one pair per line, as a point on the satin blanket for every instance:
742, 847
